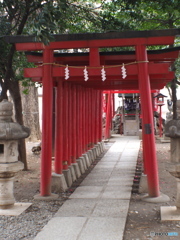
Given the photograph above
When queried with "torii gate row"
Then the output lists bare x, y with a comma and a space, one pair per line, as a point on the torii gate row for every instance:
79, 102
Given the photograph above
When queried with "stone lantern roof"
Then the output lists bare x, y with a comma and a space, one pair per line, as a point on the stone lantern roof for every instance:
10, 130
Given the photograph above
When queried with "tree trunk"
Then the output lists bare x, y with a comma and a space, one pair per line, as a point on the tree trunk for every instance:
169, 91
174, 98
15, 94
31, 112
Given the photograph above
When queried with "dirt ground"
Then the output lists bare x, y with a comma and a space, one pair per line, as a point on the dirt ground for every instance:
27, 183
143, 218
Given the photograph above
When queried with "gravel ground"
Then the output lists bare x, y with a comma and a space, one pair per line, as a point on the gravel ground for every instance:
27, 184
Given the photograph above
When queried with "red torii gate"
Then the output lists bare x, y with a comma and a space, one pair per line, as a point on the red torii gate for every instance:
145, 71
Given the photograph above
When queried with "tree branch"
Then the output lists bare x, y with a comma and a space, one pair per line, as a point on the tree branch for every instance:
178, 82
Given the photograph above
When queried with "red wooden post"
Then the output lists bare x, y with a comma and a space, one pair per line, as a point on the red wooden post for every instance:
80, 121
148, 125
77, 123
83, 121
86, 119
65, 127
69, 125
47, 103
111, 114
94, 58
100, 115
113, 105
93, 117
160, 120
144, 150
89, 119
97, 116
74, 116
59, 129
94, 61
112, 108
108, 116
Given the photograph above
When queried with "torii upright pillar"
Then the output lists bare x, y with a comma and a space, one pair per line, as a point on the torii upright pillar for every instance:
148, 125
108, 116
47, 111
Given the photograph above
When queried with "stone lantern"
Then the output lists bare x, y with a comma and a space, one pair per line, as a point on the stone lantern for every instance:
10, 133
172, 130
160, 102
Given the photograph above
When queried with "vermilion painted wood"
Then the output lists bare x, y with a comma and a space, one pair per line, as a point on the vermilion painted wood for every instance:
160, 121
80, 122
70, 123
83, 121
118, 85
97, 116
47, 103
100, 43
94, 61
87, 118
78, 154
94, 117
74, 119
110, 125
90, 117
126, 91
115, 72
100, 115
129, 86
148, 125
110, 113
113, 104
106, 58
108, 116
157, 81
94, 57
59, 129
65, 126
144, 155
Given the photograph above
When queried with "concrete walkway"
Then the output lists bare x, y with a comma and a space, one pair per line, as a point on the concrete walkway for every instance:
97, 209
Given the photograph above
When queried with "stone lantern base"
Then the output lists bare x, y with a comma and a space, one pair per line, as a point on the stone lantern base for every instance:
170, 213
7, 200
15, 210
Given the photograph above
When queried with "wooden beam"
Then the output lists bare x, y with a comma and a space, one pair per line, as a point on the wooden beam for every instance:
101, 43
154, 68
107, 58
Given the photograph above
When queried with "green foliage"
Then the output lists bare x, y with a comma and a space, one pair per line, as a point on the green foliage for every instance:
142, 15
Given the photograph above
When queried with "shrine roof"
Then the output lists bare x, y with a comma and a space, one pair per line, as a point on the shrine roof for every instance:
165, 55
98, 36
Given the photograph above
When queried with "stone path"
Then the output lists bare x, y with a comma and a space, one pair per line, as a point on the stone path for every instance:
98, 208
